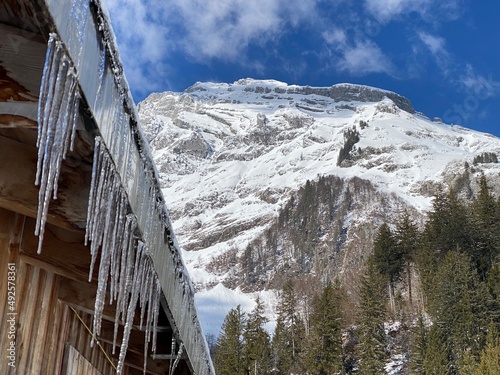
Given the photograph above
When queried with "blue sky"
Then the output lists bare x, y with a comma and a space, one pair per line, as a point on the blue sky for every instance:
443, 55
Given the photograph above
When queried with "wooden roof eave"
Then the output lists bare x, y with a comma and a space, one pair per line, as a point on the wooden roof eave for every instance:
89, 41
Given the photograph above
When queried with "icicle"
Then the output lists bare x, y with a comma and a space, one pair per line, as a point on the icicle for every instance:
107, 226
172, 350
139, 268
145, 285
177, 358
56, 123
125, 268
96, 167
45, 93
156, 311
147, 330
116, 244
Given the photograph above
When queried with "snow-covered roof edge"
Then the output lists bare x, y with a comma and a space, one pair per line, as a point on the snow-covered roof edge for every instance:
86, 32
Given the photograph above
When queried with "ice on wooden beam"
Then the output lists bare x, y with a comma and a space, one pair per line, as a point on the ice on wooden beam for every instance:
57, 116
125, 270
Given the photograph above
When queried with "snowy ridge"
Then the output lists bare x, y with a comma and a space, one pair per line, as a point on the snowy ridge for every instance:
342, 92
230, 155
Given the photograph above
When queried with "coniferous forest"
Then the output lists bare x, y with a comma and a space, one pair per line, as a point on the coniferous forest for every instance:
437, 283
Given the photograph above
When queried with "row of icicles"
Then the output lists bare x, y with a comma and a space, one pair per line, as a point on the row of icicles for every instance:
125, 263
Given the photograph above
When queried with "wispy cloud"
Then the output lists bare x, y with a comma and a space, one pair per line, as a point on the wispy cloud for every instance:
155, 34
435, 44
478, 85
202, 30
387, 10
335, 36
143, 41
363, 58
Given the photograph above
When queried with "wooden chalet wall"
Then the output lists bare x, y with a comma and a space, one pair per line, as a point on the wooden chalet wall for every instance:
48, 332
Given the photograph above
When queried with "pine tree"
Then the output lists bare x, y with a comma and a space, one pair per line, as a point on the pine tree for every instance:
437, 354
257, 342
388, 260
407, 238
280, 349
418, 348
493, 284
372, 340
486, 219
229, 357
289, 334
458, 304
325, 342
490, 357
449, 225
386, 257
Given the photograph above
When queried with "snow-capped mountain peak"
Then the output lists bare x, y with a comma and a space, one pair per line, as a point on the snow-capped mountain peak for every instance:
230, 156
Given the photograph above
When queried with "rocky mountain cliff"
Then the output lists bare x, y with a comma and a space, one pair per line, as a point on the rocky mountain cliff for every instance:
266, 181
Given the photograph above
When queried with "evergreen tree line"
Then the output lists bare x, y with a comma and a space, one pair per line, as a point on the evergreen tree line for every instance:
442, 280
308, 234
298, 346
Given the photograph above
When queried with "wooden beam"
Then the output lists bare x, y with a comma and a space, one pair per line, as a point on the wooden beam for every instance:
22, 57
136, 341
20, 13
19, 194
135, 351
135, 360
81, 295
63, 252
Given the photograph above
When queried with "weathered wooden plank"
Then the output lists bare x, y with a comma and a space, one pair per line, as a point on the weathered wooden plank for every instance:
63, 252
19, 194
136, 341
79, 337
135, 361
37, 304
76, 364
7, 255
20, 13
21, 66
58, 332
81, 295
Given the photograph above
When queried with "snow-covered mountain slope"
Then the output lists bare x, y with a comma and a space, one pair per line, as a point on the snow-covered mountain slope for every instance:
231, 155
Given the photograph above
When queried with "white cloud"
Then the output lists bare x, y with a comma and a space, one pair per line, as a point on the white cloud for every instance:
364, 58
387, 10
436, 46
434, 43
335, 36
151, 31
143, 41
479, 86
356, 57
206, 29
